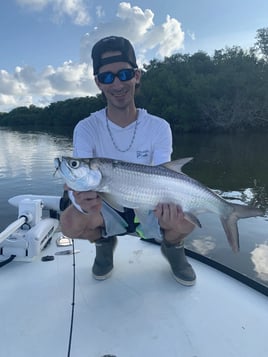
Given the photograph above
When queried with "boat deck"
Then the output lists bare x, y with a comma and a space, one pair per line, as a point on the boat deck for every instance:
140, 311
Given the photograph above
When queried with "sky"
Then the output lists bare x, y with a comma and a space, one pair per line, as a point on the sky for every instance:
46, 44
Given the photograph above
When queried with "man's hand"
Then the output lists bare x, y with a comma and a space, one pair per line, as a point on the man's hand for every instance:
85, 226
89, 201
171, 219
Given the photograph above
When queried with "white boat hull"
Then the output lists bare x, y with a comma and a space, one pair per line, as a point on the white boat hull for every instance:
140, 311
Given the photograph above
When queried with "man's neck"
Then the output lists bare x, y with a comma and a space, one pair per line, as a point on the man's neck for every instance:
122, 117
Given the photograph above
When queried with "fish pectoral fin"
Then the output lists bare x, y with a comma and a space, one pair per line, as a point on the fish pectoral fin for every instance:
192, 218
176, 165
110, 199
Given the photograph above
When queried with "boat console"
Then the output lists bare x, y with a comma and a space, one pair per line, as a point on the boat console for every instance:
37, 222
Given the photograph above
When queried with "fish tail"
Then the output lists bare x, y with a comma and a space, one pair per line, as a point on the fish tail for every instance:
229, 223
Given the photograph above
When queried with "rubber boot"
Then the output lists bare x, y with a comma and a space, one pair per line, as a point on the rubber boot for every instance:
103, 263
182, 271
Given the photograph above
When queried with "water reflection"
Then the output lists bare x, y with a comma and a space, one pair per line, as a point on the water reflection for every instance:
255, 196
228, 162
26, 153
259, 257
235, 166
27, 166
204, 245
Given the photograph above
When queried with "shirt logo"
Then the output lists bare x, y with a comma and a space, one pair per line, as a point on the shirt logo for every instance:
141, 154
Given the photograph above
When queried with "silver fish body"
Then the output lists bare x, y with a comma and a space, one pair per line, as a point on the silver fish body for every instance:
142, 187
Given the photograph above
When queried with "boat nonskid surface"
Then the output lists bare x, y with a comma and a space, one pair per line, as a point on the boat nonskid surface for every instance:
140, 311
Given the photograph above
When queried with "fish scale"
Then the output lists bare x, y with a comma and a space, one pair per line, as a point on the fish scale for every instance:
136, 187
124, 184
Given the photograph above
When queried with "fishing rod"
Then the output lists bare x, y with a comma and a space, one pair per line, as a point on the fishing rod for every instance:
73, 304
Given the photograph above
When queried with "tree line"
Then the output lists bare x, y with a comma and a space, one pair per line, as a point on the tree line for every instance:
224, 92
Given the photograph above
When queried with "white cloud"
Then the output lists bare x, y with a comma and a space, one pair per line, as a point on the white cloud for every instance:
75, 9
72, 78
9, 86
6, 101
100, 11
34, 4
28, 86
138, 26
259, 257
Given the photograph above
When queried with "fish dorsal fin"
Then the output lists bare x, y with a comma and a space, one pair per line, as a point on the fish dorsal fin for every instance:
176, 165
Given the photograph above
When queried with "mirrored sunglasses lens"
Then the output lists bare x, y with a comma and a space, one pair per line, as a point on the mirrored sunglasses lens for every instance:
123, 75
106, 77
126, 74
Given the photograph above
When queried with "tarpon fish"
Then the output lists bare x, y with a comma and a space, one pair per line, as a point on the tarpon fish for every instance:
142, 187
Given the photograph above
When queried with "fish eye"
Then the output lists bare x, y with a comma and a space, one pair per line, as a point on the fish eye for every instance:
74, 164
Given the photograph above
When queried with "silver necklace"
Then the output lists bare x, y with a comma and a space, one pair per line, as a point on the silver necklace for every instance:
112, 138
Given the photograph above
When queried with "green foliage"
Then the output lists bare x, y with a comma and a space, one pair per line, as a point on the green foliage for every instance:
70, 111
57, 115
261, 44
225, 92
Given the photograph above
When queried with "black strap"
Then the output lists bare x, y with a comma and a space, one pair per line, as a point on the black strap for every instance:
65, 201
129, 216
8, 260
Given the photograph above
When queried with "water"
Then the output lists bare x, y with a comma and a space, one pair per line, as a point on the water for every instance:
27, 167
236, 166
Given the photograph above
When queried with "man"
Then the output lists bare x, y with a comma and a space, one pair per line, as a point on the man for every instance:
122, 131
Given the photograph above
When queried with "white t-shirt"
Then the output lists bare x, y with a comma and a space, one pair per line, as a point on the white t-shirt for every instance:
152, 144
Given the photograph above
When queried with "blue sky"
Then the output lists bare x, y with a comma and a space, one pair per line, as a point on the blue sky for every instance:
46, 44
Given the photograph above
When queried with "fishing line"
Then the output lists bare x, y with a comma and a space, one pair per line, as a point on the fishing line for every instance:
73, 303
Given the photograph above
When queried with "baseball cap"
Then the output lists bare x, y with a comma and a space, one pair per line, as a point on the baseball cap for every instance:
112, 43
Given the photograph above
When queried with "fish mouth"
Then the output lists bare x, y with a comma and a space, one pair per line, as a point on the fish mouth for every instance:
57, 163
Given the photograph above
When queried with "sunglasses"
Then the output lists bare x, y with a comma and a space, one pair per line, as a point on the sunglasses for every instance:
124, 75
